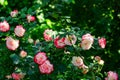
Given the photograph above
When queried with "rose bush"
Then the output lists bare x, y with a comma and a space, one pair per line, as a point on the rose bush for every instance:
41, 51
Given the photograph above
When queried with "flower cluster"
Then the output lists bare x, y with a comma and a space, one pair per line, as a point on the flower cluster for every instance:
19, 30
85, 43
60, 42
44, 65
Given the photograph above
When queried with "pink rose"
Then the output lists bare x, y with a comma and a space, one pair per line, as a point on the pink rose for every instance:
16, 76
86, 44
40, 58
102, 42
4, 26
19, 31
70, 39
88, 37
87, 41
14, 13
59, 43
112, 76
48, 35
30, 18
23, 54
77, 61
11, 43
46, 67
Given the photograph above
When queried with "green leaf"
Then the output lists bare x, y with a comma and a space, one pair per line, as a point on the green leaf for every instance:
15, 58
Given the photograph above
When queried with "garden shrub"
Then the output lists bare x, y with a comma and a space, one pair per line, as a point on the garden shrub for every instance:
77, 39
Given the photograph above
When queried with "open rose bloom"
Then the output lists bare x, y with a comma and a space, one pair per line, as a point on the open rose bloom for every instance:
48, 35
40, 58
23, 54
87, 41
77, 61
70, 40
19, 31
112, 76
11, 43
46, 67
59, 42
4, 26
102, 42
14, 13
30, 18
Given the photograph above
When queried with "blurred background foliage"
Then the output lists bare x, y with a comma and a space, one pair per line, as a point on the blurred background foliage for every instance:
100, 17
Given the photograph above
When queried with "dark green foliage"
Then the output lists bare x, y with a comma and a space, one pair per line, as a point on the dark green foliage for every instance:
99, 17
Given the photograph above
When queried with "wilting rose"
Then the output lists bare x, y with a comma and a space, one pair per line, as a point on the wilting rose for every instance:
48, 35
88, 37
14, 13
40, 58
77, 61
102, 42
30, 18
23, 54
36, 41
85, 69
86, 44
59, 43
97, 58
11, 43
16, 76
46, 67
8, 77
112, 76
87, 41
19, 31
70, 39
4, 26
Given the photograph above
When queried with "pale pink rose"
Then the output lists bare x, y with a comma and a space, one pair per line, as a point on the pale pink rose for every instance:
4, 26
102, 42
112, 76
59, 43
48, 35
16, 76
30, 18
40, 58
19, 31
86, 44
11, 43
87, 41
77, 61
88, 37
14, 13
101, 62
23, 53
46, 67
70, 40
